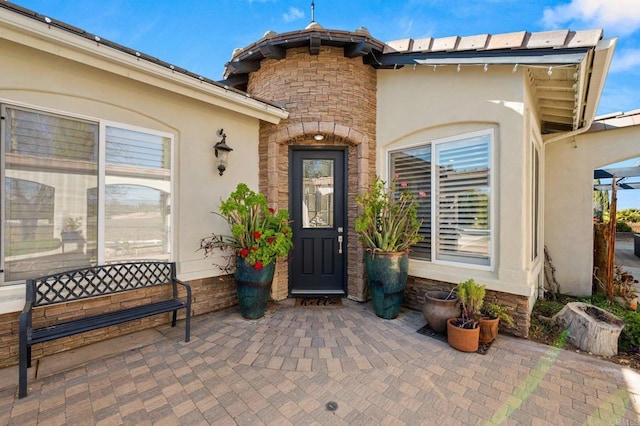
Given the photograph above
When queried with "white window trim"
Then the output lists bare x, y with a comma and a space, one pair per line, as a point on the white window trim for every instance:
492, 191
103, 124
537, 146
102, 152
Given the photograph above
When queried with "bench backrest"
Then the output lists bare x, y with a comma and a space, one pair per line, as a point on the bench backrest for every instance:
97, 281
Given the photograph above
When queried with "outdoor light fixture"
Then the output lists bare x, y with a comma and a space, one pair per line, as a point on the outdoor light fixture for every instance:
222, 151
318, 137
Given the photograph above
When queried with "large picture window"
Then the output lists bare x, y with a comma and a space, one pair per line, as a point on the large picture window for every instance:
79, 192
451, 178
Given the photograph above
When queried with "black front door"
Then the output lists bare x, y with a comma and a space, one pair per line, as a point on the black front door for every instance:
317, 197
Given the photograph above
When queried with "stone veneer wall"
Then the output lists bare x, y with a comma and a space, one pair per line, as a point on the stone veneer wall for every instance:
327, 94
208, 295
417, 287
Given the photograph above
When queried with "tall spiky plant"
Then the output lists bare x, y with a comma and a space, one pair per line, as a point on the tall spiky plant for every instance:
389, 222
471, 297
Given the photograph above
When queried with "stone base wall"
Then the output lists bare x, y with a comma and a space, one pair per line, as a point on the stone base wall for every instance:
208, 295
417, 287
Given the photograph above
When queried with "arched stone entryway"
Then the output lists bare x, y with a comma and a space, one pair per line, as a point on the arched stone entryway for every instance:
274, 181
321, 78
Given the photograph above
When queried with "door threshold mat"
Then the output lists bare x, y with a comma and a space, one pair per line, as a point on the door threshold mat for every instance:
319, 302
427, 331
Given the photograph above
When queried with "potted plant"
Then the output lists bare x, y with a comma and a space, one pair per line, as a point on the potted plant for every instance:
491, 315
387, 227
438, 307
259, 236
71, 230
464, 333
624, 288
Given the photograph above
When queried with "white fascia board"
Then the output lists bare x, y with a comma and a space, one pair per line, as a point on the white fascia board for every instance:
603, 56
38, 35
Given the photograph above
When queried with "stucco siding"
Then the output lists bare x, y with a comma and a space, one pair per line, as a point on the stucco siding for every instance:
46, 82
569, 199
419, 105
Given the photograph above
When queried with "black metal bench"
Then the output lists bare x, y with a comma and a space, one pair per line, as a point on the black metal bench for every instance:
91, 282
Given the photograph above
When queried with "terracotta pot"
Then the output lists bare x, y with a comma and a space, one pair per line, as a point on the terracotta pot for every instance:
488, 329
437, 309
462, 339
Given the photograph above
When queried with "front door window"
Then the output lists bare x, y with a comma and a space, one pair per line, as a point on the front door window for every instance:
317, 187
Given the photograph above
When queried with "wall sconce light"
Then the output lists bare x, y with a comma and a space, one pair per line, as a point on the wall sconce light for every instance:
318, 137
222, 151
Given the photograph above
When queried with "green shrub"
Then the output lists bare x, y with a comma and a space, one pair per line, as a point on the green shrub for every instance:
548, 308
623, 227
629, 215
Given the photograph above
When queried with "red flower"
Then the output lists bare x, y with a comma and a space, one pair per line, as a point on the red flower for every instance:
271, 240
256, 235
254, 248
272, 211
258, 265
244, 252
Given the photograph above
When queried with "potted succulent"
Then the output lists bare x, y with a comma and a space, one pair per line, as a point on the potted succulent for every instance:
491, 315
464, 333
259, 236
388, 226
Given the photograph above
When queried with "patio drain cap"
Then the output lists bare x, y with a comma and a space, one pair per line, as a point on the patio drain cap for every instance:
331, 406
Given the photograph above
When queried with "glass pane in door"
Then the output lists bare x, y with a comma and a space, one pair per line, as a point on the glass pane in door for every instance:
317, 193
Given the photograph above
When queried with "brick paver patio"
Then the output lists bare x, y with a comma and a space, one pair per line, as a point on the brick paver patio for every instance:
327, 366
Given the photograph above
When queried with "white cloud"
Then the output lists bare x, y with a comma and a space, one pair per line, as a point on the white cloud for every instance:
626, 60
621, 17
293, 14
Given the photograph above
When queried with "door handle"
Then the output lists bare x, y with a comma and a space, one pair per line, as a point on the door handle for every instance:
339, 244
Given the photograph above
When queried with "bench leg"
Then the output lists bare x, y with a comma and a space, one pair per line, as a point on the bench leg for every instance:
173, 318
187, 325
24, 362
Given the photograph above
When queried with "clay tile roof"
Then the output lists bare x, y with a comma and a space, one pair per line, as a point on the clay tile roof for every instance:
559, 39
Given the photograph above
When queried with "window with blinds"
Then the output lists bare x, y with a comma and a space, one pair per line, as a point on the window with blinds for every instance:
451, 180
50, 194
463, 200
411, 169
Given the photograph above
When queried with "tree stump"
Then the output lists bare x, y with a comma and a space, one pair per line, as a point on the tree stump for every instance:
590, 328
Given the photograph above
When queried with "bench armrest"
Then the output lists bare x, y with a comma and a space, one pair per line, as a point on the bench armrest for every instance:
25, 315
187, 287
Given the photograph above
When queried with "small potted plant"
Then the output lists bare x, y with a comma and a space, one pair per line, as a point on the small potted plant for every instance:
491, 315
388, 226
259, 236
624, 288
464, 333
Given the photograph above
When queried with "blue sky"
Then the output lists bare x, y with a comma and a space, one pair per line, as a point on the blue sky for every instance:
200, 35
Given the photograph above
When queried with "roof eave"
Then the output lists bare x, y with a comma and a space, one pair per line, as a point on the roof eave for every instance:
32, 32
504, 57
